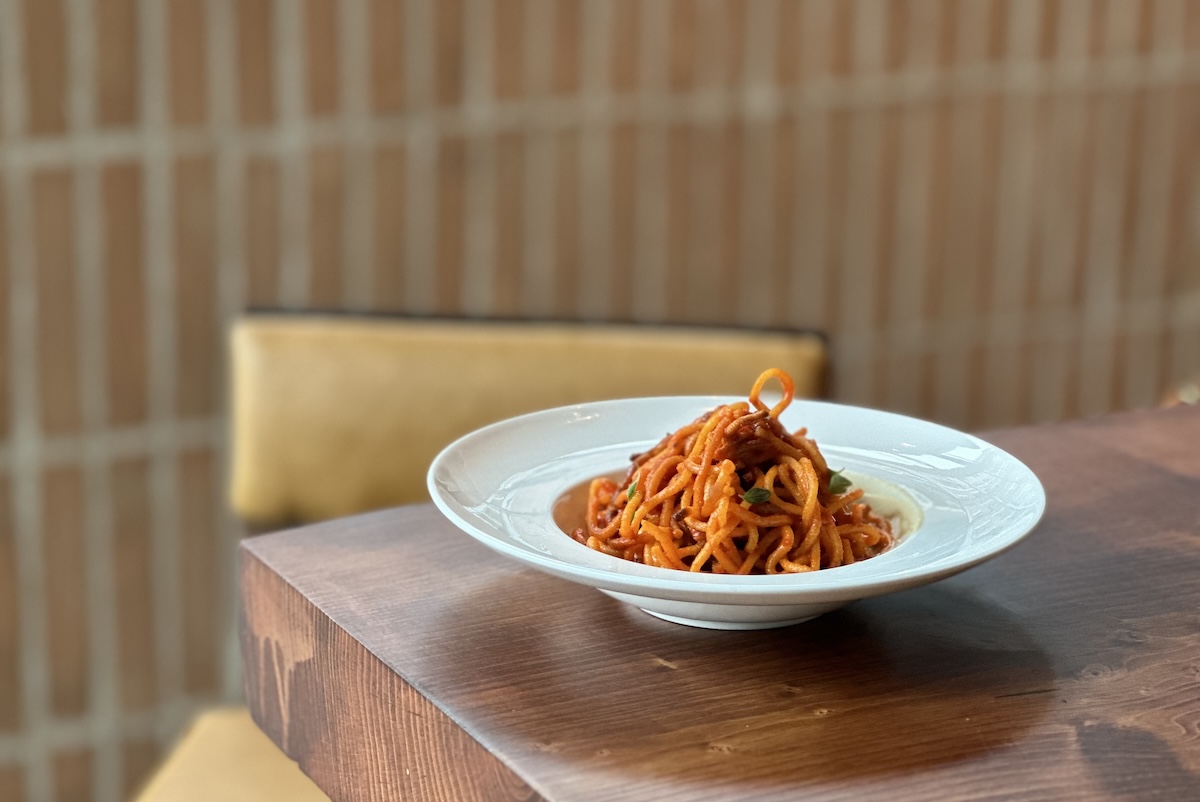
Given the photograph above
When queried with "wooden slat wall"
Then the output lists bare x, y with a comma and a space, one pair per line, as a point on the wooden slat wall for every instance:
993, 208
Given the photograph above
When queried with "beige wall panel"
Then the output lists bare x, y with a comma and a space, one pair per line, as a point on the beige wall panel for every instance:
990, 207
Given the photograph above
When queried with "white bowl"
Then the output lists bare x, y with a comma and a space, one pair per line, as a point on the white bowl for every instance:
959, 501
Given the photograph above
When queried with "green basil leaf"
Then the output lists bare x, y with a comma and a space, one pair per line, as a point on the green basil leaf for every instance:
632, 489
838, 484
756, 495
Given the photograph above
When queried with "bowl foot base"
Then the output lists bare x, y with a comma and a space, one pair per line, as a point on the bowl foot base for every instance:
730, 625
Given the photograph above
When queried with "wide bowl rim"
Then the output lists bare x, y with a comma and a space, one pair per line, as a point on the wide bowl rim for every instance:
851, 582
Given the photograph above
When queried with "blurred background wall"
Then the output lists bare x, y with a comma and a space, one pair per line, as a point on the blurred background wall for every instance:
993, 209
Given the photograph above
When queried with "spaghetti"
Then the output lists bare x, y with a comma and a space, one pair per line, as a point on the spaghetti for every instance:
734, 493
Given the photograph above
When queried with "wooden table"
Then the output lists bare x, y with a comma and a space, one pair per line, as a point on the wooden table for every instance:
394, 658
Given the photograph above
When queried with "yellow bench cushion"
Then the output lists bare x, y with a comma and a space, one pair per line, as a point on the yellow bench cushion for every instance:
226, 757
336, 415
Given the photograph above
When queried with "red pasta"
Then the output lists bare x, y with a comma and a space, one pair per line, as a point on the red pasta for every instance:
734, 493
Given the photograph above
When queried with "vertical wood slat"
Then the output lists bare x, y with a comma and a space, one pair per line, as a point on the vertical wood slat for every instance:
1008, 287
703, 175
5, 363
66, 601
423, 199
686, 278
1053, 393
1183, 280
857, 237
882, 287
750, 63
547, 255
475, 293
508, 66
10, 622
199, 571
298, 228
540, 45
566, 37
507, 208
105, 91
808, 288
12, 784
139, 756
132, 561
783, 202
966, 212
326, 227
199, 340
261, 231
35, 776
358, 235
118, 73
1145, 278
683, 54
623, 212
731, 225
388, 74
233, 212
323, 59
449, 50
625, 45
102, 612
591, 297
565, 198
188, 53
390, 229
45, 68
451, 225
54, 231
256, 91
906, 367
1103, 245
163, 277
73, 774
223, 99
909, 249
125, 295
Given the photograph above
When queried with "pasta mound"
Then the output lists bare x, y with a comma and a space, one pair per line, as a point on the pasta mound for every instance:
734, 493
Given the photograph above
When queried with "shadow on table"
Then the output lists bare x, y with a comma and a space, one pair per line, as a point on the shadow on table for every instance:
889, 685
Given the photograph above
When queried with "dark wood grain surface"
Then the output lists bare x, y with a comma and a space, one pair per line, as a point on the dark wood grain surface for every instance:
394, 658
